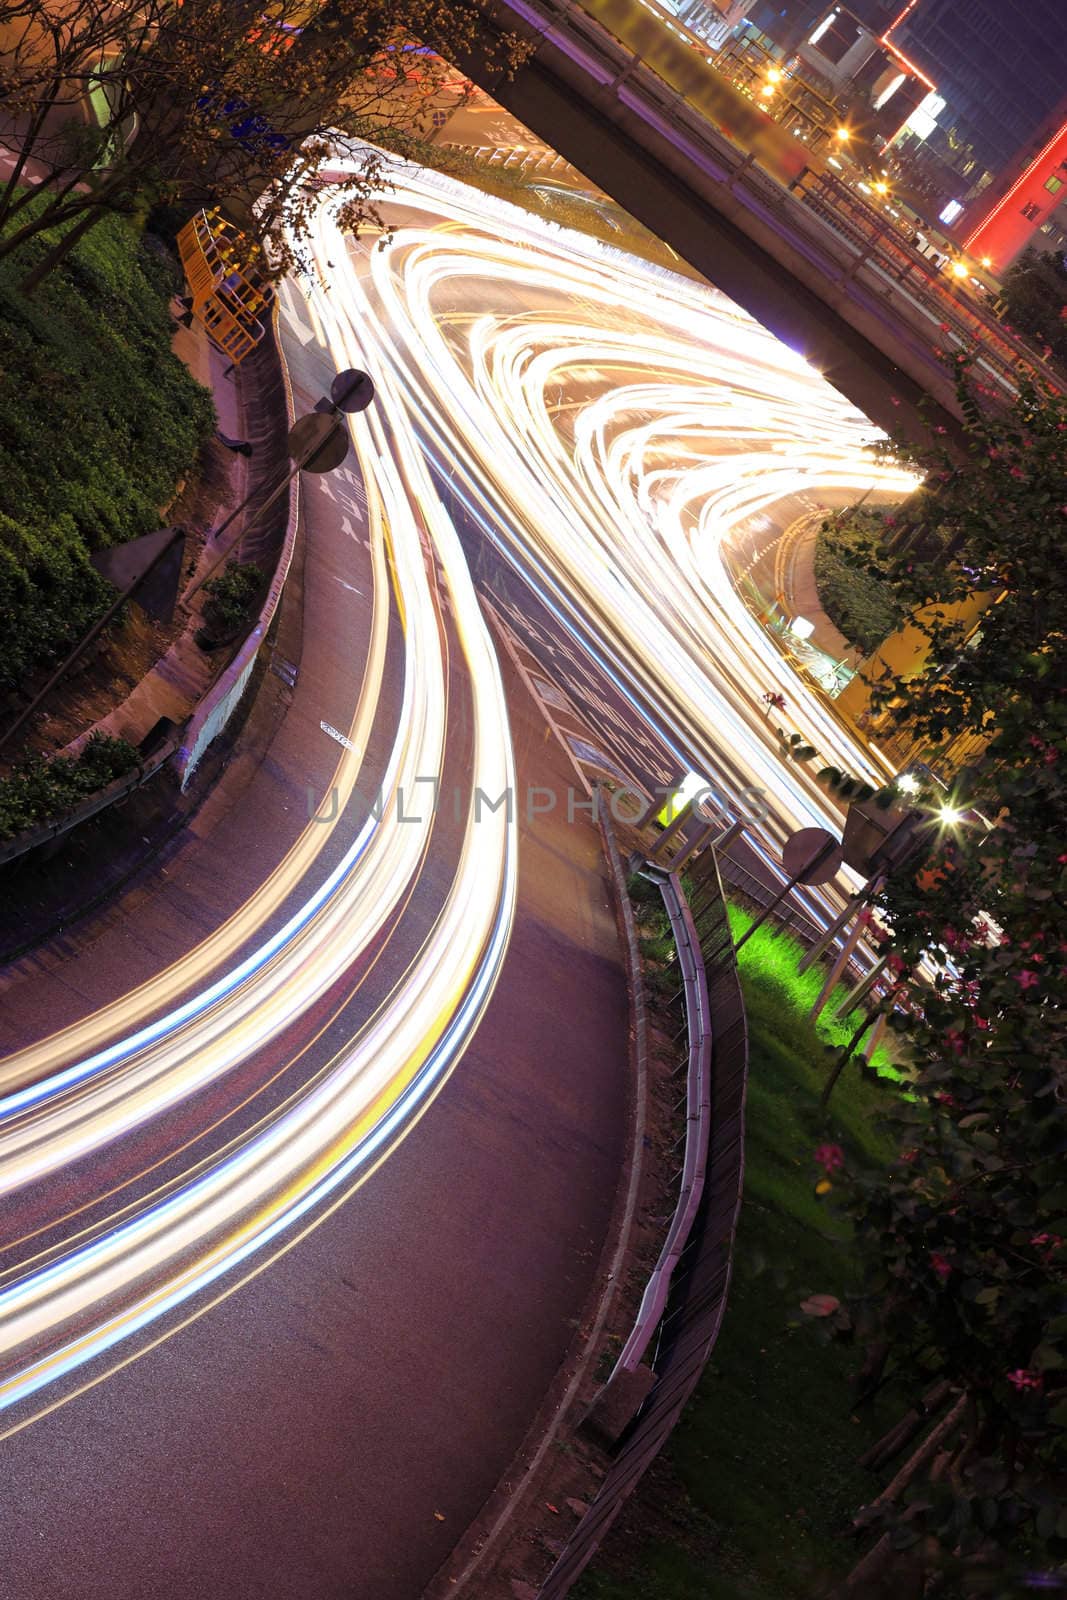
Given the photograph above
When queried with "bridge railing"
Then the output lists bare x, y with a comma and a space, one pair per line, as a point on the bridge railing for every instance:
687, 1293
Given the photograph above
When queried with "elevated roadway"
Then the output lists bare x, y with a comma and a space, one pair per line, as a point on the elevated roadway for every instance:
625, 98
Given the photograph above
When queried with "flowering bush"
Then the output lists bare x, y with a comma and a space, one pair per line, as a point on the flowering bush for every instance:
965, 1275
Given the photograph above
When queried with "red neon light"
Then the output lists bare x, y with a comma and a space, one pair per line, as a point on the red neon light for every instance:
912, 68
1016, 186
898, 20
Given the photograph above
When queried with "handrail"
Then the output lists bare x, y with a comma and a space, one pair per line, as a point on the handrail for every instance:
697, 1127
700, 1276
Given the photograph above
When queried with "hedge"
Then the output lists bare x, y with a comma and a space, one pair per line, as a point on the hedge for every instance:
40, 790
99, 422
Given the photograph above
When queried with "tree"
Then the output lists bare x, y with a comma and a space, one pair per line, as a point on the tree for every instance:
964, 1240
198, 101
1035, 295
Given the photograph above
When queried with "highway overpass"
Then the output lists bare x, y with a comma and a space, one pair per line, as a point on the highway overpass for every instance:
648, 137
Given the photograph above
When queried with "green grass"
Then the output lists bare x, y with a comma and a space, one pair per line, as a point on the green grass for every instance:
861, 605
98, 423
752, 1497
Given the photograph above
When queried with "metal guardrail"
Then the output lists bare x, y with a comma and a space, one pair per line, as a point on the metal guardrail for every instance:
700, 1275
593, 38
697, 1124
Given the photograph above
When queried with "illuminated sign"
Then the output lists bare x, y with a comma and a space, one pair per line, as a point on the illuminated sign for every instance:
923, 119
951, 211
827, 22
890, 91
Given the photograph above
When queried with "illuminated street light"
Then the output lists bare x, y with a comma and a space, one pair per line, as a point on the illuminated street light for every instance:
843, 134
881, 187
987, 262
949, 817
774, 74
908, 783
766, 92
959, 269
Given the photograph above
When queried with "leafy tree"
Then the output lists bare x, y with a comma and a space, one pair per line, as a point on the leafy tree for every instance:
201, 99
1035, 294
965, 1238
862, 606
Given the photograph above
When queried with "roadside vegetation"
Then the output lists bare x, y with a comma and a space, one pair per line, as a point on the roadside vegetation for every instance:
753, 1496
863, 606
39, 791
231, 598
99, 423
1035, 297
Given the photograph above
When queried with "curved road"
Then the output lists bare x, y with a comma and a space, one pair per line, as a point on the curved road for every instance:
550, 414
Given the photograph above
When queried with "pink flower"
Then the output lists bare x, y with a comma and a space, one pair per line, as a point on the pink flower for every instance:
1023, 1378
942, 1267
897, 965
954, 1040
908, 1156
946, 1099
1027, 979
829, 1156
1017, 472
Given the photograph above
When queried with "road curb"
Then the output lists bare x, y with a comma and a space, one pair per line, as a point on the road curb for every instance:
499, 1537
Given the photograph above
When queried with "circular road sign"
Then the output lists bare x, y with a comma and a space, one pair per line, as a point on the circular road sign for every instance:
352, 390
318, 442
811, 855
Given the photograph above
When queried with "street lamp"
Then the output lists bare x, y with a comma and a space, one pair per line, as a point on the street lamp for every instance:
959, 269
843, 135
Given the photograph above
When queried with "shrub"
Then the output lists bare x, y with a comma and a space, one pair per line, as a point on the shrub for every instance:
231, 598
40, 790
98, 423
860, 604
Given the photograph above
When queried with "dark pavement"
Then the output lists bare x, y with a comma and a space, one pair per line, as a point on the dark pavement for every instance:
300, 1440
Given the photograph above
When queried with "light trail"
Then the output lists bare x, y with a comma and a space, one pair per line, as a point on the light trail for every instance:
81, 1301
685, 421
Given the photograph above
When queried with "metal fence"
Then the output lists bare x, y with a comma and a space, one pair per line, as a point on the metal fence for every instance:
700, 1277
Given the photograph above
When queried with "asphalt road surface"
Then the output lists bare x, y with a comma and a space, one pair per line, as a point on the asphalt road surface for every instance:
282, 1378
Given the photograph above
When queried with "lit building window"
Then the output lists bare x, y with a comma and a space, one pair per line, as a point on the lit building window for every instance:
1053, 185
